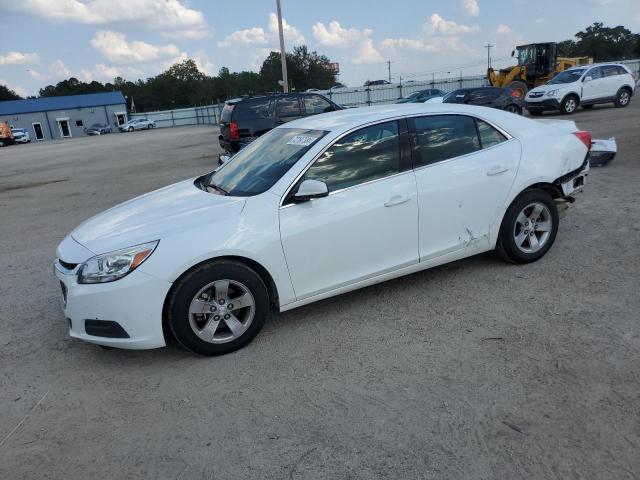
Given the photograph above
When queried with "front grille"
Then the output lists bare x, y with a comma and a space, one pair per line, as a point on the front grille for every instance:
535, 95
67, 265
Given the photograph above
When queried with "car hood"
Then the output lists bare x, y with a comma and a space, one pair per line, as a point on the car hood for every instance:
153, 216
548, 87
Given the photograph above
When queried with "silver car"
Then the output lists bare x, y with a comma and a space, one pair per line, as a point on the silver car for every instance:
137, 124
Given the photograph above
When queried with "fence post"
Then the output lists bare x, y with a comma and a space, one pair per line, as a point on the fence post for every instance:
400, 88
173, 122
368, 96
460, 79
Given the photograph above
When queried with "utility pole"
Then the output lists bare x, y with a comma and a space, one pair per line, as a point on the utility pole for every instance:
389, 68
488, 46
283, 56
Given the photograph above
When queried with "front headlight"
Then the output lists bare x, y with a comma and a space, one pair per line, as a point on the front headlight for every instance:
112, 266
552, 93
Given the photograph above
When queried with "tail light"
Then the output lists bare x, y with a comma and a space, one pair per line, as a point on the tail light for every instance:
584, 137
515, 93
233, 130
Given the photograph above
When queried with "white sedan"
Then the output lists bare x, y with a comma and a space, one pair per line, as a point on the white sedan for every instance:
312, 209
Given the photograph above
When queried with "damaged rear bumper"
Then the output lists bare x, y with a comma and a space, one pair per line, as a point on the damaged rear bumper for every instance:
602, 152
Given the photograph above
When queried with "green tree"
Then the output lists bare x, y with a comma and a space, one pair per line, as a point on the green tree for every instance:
602, 43
305, 70
7, 94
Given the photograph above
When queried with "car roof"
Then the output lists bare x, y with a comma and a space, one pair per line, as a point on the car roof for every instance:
235, 101
604, 64
343, 120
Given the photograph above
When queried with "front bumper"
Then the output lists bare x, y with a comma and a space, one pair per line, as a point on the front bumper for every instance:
134, 302
545, 105
22, 140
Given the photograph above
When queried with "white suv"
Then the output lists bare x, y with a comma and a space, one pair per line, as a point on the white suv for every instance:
583, 86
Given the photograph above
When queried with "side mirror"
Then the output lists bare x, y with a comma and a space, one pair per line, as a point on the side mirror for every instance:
309, 189
222, 159
588, 79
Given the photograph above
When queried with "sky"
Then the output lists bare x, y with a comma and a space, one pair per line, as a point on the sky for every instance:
45, 41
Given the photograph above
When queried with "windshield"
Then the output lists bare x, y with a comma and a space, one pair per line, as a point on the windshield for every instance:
457, 96
568, 76
258, 166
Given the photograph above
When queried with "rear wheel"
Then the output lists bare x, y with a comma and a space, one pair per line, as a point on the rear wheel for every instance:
623, 97
529, 227
519, 88
217, 308
513, 108
130, 129
569, 104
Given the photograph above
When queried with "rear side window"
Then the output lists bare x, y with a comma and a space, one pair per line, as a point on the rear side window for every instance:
621, 70
611, 70
288, 107
441, 137
225, 116
489, 136
314, 104
251, 109
361, 156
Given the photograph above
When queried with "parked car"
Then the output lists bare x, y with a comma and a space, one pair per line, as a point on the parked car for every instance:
98, 129
422, 96
244, 119
137, 124
583, 86
371, 83
21, 135
494, 97
312, 209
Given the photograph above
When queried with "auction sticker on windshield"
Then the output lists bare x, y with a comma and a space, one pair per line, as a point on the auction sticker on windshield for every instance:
301, 140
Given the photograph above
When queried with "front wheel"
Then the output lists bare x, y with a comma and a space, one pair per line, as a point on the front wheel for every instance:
217, 308
529, 227
623, 97
569, 105
513, 108
130, 129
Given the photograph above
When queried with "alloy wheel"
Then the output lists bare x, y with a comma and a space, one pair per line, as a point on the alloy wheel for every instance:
624, 97
533, 227
570, 105
221, 311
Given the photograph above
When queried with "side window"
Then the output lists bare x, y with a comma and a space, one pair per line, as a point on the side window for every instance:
489, 136
251, 109
595, 73
288, 107
621, 70
364, 155
314, 104
610, 70
441, 137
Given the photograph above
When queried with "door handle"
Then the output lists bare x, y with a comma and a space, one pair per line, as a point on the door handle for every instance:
497, 170
396, 200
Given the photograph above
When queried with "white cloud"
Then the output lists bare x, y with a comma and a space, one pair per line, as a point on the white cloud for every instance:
359, 41
190, 34
114, 47
19, 58
200, 57
292, 35
36, 75
245, 38
106, 73
59, 69
169, 14
503, 29
471, 7
16, 88
439, 26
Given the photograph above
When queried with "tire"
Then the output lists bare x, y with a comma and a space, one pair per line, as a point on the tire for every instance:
623, 97
151, 126
513, 108
587, 107
516, 242
520, 87
211, 290
535, 113
569, 105
130, 129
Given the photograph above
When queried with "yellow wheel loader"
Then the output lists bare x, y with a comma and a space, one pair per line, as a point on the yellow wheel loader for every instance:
537, 64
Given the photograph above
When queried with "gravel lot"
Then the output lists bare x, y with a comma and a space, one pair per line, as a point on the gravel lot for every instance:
477, 369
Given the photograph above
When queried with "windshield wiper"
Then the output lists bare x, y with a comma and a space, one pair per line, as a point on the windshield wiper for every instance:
219, 189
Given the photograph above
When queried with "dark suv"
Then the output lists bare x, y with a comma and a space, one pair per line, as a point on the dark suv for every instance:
244, 119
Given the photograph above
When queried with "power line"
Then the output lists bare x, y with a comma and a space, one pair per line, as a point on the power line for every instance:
488, 46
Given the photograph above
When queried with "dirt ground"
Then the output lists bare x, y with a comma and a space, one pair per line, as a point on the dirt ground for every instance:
477, 369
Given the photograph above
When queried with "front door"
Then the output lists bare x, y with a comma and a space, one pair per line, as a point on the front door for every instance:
593, 85
64, 128
367, 226
464, 172
37, 130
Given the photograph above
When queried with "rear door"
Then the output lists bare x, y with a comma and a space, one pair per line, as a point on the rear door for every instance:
464, 171
288, 108
315, 104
